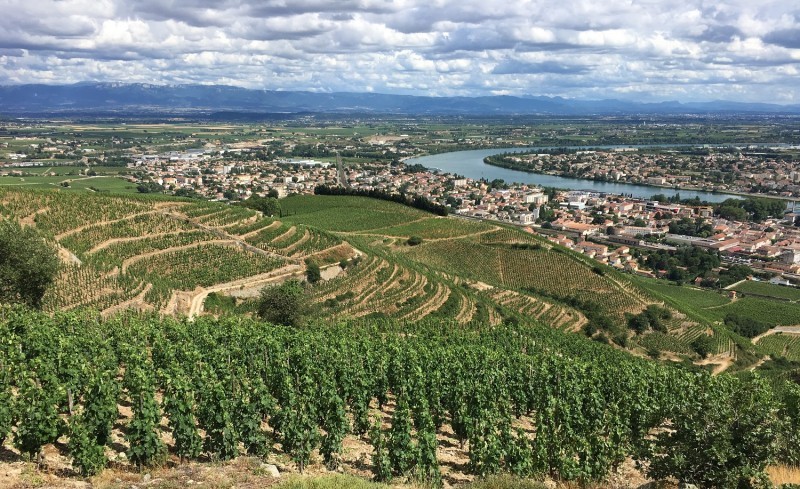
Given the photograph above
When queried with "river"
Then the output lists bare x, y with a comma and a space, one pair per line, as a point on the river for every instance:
470, 164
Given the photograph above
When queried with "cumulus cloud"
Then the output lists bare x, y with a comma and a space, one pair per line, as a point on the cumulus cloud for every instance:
657, 50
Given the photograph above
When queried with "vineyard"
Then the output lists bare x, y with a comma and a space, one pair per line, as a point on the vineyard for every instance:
781, 345
427, 401
541, 271
201, 266
435, 228
517, 276
346, 214
461, 356
84, 239
165, 255
375, 286
545, 312
663, 342
766, 289
689, 296
712, 307
770, 311
140, 252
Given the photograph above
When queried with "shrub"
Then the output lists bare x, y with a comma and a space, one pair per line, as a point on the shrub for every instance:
283, 304
313, 273
414, 241
702, 345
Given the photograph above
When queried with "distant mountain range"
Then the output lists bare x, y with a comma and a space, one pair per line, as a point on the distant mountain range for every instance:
124, 99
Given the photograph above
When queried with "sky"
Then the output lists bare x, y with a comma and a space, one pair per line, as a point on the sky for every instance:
644, 50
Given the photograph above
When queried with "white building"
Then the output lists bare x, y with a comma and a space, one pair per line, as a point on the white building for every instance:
537, 198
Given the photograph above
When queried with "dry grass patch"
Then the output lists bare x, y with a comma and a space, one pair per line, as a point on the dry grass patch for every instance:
505, 482
784, 474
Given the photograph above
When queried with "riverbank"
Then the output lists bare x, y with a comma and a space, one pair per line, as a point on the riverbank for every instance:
515, 167
470, 165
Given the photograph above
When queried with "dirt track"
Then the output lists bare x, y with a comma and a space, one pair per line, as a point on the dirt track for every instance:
198, 296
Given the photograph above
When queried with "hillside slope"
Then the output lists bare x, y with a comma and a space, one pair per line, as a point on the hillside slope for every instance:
168, 255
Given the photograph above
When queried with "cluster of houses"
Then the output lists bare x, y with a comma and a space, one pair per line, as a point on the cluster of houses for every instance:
772, 245
215, 178
577, 218
726, 171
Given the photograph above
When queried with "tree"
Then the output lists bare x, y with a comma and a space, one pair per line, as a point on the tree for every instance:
703, 345
269, 206
639, 323
149, 187
313, 273
28, 265
283, 304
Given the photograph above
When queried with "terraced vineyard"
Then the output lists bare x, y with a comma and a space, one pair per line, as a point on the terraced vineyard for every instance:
546, 272
781, 345
82, 241
140, 252
203, 266
168, 254
82, 286
546, 312
762, 302
115, 254
657, 341
513, 274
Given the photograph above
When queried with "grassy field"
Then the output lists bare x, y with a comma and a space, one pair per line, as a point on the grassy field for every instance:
78, 183
32, 181
346, 214
72, 170
104, 184
769, 290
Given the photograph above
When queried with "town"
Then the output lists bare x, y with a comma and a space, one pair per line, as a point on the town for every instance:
607, 228
620, 231
758, 170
